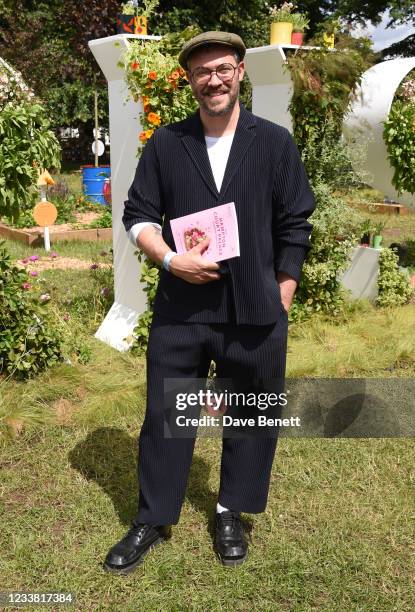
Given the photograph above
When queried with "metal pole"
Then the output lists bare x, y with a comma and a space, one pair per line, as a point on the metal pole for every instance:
96, 126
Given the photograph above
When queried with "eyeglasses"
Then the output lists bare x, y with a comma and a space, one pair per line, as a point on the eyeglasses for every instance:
224, 72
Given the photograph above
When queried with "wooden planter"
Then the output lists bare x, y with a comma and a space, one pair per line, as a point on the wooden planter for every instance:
36, 238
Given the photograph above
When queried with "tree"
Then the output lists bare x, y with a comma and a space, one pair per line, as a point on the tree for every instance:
48, 41
403, 48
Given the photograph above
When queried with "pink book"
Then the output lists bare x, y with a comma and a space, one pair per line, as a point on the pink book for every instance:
219, 223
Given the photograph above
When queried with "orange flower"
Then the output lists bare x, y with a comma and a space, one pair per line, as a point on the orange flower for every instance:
149, 133
135, 65
154, 118
145, 99
152, 75
142, 136
174, 75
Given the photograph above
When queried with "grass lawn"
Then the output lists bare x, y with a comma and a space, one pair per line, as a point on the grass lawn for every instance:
338, 530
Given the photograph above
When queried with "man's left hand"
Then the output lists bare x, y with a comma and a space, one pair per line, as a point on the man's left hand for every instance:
287, 289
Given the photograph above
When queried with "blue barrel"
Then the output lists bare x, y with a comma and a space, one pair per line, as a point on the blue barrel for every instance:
93, 180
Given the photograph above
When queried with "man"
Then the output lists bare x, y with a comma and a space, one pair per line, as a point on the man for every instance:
235, 312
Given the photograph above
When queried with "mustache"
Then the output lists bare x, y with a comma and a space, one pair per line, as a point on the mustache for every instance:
219, 89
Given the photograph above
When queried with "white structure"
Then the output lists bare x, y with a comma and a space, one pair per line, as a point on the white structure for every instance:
272, 90
365, 120
272, 86
130, 299
361, 278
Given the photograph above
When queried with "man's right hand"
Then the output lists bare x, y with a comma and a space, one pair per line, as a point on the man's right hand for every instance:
194, 268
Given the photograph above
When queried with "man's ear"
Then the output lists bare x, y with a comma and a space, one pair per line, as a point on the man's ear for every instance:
241, 70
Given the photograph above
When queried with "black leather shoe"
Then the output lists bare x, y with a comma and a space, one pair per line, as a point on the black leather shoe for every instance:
131, 549
230, 543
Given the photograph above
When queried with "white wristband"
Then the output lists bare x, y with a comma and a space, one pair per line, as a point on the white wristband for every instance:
167, 258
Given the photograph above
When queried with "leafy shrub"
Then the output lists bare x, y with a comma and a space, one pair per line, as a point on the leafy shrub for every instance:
393, 284
398, 134
150, 277
26, 144
12, 87
409, 257
335, 231
28, 341
104, 220
323, 83
336, 162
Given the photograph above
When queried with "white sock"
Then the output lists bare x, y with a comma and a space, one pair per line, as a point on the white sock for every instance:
220, 509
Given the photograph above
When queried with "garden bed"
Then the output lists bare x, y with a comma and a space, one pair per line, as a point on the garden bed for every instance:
33, 236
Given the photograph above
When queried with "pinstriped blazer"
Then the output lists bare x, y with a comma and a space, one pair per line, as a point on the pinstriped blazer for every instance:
265, 178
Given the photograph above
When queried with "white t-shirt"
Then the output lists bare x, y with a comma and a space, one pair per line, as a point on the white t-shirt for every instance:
218, 149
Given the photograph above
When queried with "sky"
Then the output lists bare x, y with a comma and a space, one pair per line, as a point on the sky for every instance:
383, 37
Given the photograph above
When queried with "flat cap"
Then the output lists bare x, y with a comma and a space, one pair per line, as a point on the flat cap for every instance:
211, 38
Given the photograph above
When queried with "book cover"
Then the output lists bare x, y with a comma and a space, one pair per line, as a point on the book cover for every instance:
219, 223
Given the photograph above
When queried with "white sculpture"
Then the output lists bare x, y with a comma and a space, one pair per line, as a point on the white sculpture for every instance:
129, 299
365, 121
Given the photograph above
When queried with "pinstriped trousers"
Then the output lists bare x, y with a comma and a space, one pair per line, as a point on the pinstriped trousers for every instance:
185, 350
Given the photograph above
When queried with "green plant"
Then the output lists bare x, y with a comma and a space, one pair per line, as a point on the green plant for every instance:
393, 284
26, 144
150, 277
12, 87
335, 231
323, 85
28, 340
366, 228
154, 76
398, 134
129, 8
409, 254
282, 14
149, 8
300, 22
379, 227
103, 221
334, 161
330, 26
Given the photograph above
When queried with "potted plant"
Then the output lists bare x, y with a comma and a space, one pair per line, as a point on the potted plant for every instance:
365, 229
300, 24
329, 29
281, 24
377, 238
133, 20
126, 19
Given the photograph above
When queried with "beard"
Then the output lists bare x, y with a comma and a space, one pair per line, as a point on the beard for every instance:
205, 102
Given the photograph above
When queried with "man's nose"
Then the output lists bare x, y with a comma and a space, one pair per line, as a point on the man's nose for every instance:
215, 76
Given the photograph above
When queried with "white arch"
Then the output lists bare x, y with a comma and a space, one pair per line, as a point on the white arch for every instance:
369, 110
